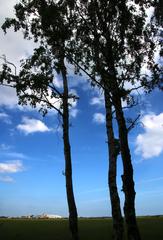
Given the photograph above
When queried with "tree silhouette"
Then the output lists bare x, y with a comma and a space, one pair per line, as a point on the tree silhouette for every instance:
44, 21
114, 151
113, 43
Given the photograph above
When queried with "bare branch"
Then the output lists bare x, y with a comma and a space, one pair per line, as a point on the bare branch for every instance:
88, 74
7, 62
133, 123
50, 104
55, 89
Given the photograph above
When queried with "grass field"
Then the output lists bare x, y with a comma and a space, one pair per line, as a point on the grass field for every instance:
90, 229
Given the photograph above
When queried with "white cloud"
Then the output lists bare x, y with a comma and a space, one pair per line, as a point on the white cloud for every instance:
150, 143
15, 47
16, 155
9, 100
13, 44
136, 86
53, 102
73, 104
11, 166
32, 125
8, 97
99, 118
4, 115
150, 180
57, 82
4, 147
74, 112
73, 101
98, 98
6, 179
7, 6
99, 101
5, 118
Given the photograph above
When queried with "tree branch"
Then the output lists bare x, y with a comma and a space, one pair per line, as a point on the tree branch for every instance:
133, 123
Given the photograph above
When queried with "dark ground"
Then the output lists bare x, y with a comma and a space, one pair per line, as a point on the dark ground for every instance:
151, 228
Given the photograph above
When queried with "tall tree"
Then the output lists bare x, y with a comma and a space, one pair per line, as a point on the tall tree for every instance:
114, 150
45, 22
110, 41
81, 57
114, 43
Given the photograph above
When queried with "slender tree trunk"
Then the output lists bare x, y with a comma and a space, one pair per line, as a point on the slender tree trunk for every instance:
127, 177
112, 88
113, 147
73, 217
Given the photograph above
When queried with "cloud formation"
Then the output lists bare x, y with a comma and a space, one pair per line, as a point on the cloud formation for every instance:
9, 100
15, 155
8, 97
6, 179
3, 147
13, 44
73, 104
11, 166
99, 118
5, 118
3, 115
98, 101
57, 82
74, 112
98, 98
31, 125
150, 143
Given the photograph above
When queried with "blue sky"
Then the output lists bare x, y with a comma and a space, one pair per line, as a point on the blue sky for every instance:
31, 148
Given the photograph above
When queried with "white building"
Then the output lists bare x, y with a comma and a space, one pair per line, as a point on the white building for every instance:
52, 216
48, 216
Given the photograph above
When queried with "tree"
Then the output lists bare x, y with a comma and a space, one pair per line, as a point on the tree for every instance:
113, 43
38, 84
114, 150
44, 21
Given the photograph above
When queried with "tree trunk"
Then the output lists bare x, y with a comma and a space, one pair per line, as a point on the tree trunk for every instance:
73, 217
113, 147
127, 177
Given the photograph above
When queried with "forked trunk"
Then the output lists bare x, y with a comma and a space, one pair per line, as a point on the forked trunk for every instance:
73, 217
113, 147
127, 177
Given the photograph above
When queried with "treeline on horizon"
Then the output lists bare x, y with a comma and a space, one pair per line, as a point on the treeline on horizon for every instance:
79, 217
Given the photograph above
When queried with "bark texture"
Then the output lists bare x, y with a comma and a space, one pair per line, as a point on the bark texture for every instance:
113, 148
73, 216
113, 90
127, 177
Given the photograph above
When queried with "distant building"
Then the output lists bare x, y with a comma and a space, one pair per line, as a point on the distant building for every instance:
45, 216
41, 216
53, 216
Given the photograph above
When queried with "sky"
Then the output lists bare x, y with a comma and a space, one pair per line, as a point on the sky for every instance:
31, 147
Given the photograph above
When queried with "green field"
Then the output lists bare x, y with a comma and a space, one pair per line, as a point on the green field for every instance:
90, 229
